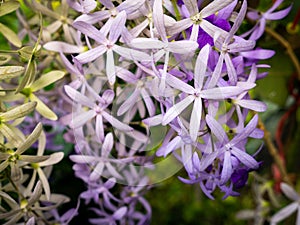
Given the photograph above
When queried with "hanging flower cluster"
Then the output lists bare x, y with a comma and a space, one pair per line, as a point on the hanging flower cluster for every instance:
179, 66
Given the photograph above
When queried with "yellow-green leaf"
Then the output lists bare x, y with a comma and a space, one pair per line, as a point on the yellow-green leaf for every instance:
8, 6
7, 72
42, 108
18, 112
10, 35
47, 79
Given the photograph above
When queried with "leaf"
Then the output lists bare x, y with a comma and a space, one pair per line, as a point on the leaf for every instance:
10, 35
47, 79
8, 7
7, 72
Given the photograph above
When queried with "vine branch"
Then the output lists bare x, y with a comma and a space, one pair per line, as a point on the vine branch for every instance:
275, 153
288, 47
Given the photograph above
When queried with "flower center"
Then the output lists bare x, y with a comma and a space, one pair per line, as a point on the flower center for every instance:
196, 19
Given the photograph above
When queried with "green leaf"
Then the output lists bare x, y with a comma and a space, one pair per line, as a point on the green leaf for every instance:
7, 72
10, 35
47, 79
8, 7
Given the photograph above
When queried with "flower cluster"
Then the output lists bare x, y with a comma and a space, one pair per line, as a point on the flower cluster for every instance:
135, 67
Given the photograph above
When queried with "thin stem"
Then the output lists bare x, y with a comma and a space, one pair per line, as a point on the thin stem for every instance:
177, 15
8, 51
274, 153
288, 47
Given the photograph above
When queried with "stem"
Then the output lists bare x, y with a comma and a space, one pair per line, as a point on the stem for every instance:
288, 47
177, 15
274, 153
8, 51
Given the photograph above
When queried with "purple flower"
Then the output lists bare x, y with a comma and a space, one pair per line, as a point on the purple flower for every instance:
196, 94
262, 17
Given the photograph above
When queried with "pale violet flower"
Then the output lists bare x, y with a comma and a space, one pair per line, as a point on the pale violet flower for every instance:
282, 214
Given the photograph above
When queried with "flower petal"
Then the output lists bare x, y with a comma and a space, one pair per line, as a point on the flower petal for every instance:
176, 109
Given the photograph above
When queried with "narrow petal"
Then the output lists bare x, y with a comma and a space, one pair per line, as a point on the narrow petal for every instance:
179, 84
97, 171
246, 131
276, 4
116, 123
170, 147
207, 160
284, 213
110, 67
241, 46
258, 54
120, 213
117, 26
82, 118
131, 53
216, 129
59, 46
99, 128
192, 6
31, 139
252, 104
238, 21
278, 15
78, 97
245, 158
183, 46
112, 170
220, 93
196, 118
214, 7
158, 19
201, 66
148, 102
47, 79
232, 75
90, 31
179, 26
45, 183
91, 54
107, 145
289, 192
54, 158
92, 18
217, 72
176, 109
227, 168
147, 43
129, 103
